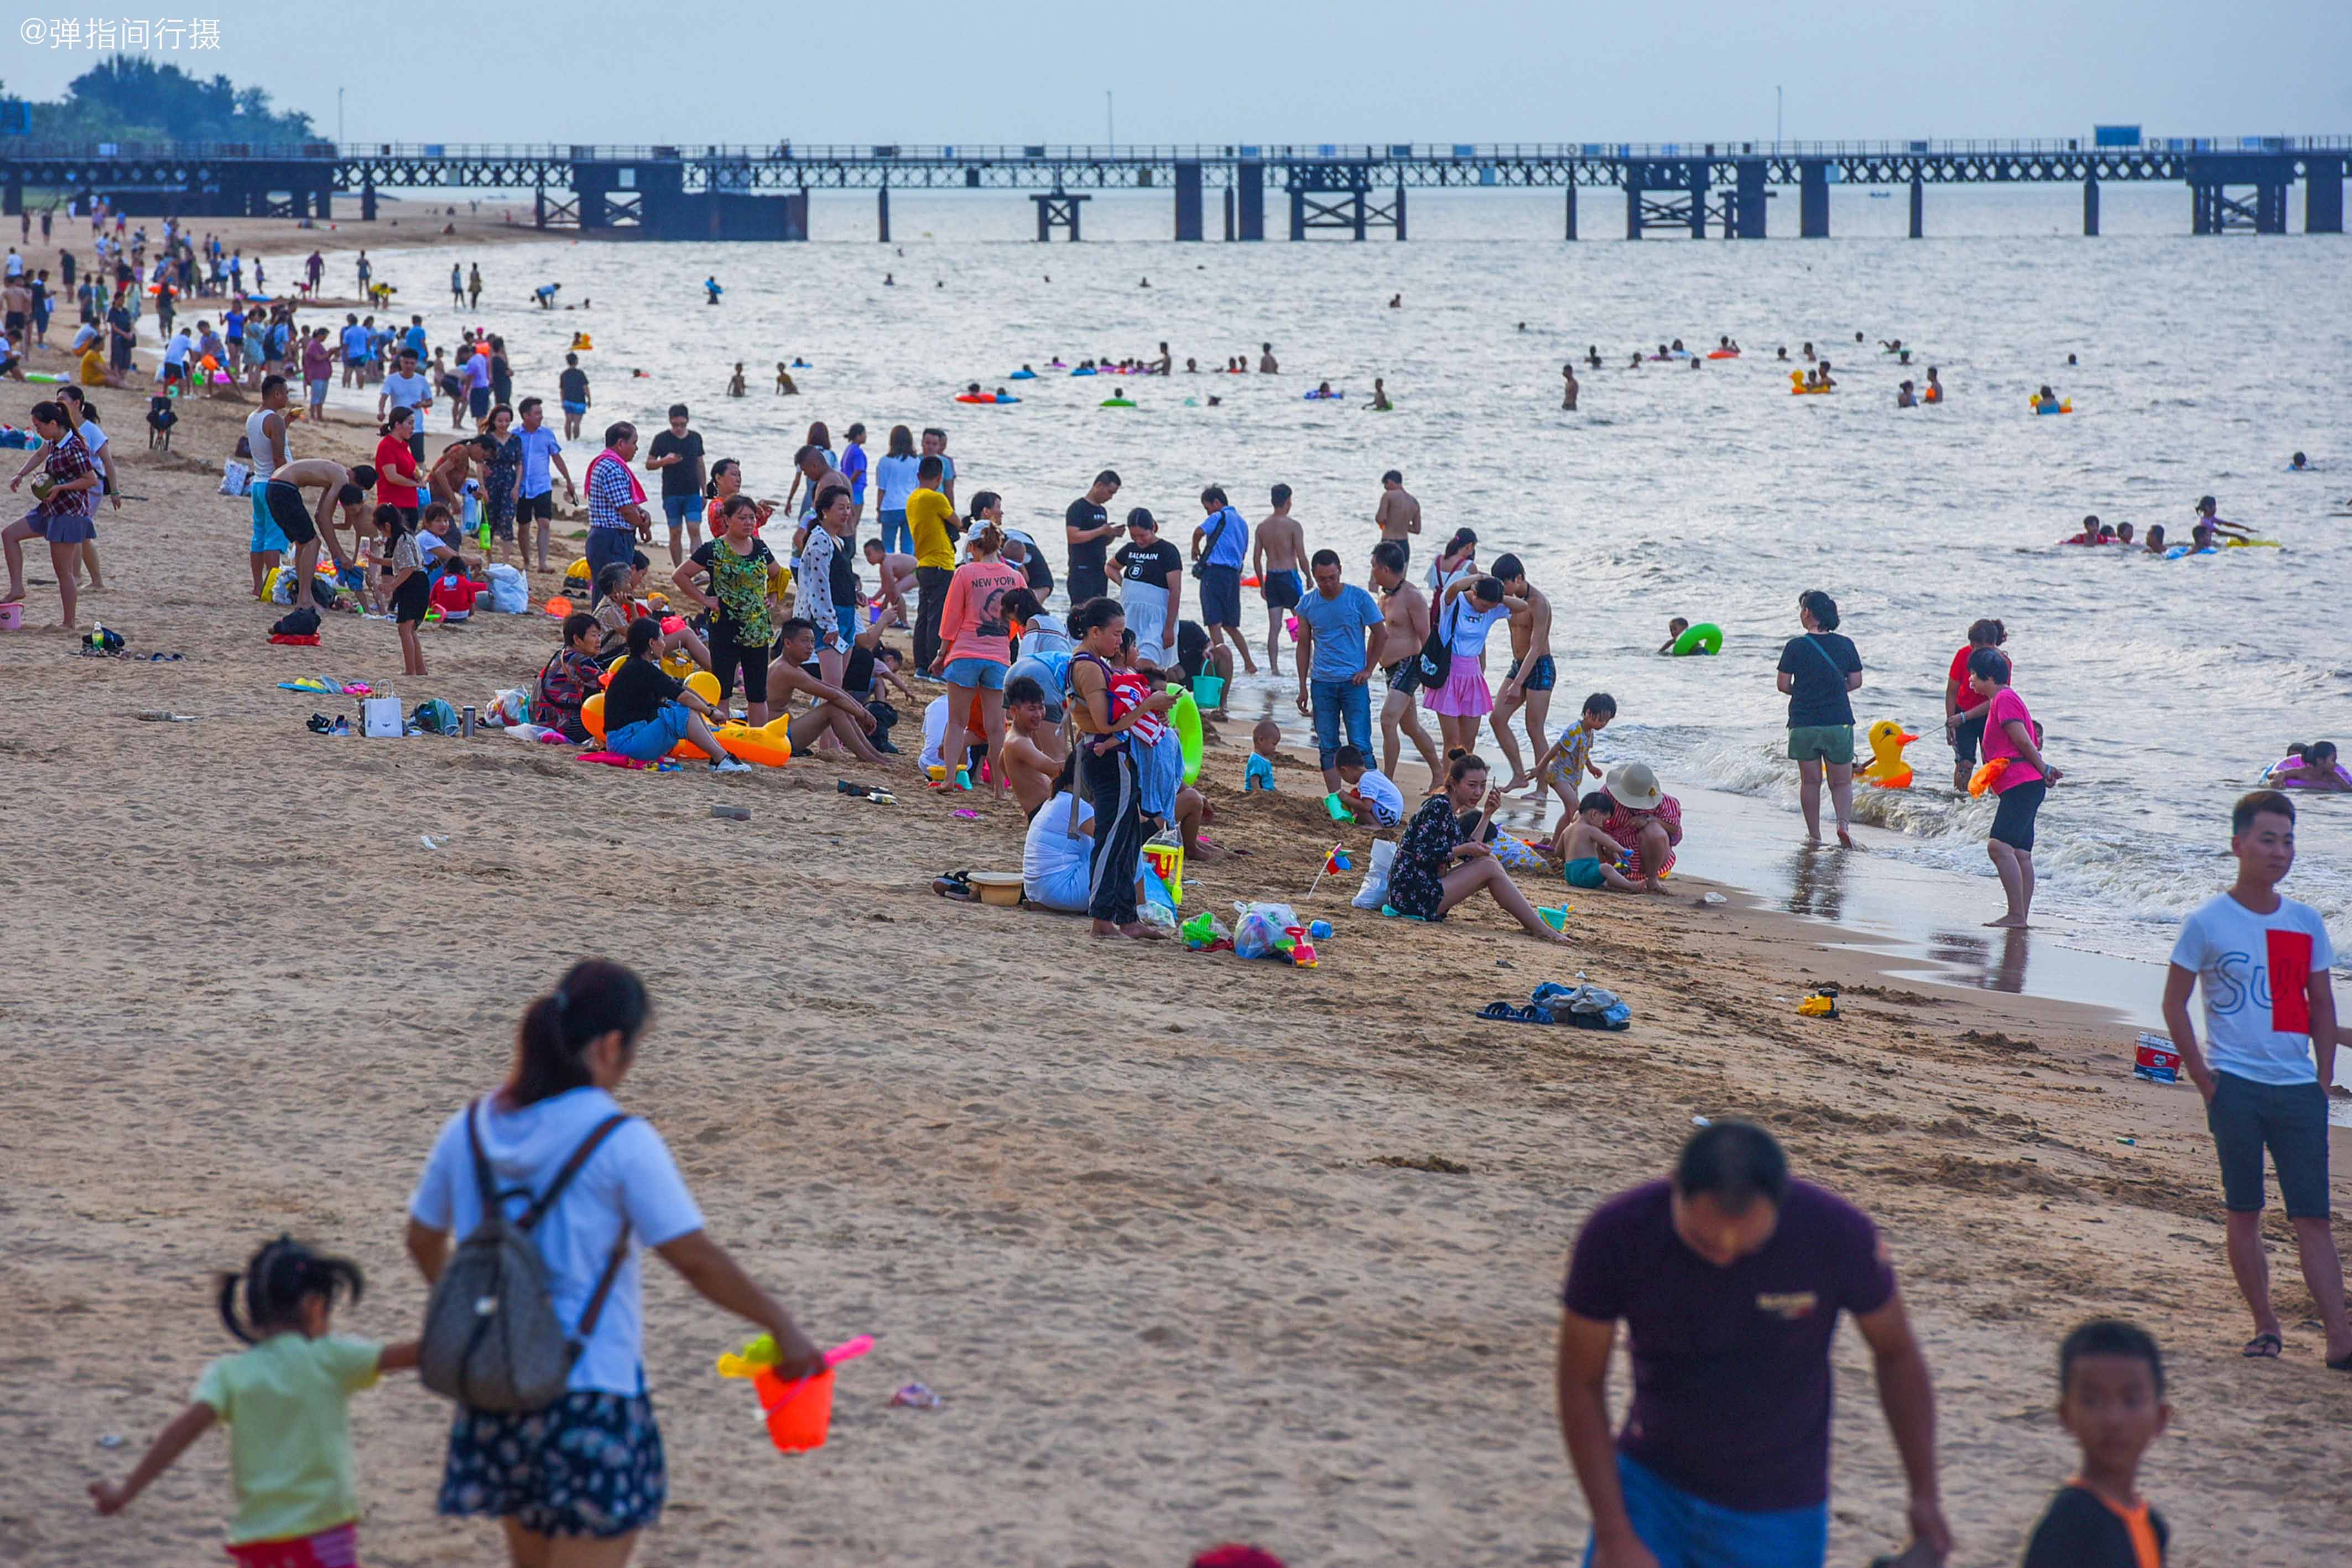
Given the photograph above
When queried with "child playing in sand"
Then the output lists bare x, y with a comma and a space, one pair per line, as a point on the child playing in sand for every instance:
455, 591
1265, 741
285, 1401
406, 586
1588, 855
1367, 791
2111, 1397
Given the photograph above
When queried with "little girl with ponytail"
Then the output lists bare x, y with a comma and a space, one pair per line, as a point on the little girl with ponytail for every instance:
285, 1401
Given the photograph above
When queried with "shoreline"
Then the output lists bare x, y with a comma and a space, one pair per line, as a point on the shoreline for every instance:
1134, 1213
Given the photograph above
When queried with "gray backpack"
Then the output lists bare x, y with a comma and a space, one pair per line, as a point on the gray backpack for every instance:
492, 1340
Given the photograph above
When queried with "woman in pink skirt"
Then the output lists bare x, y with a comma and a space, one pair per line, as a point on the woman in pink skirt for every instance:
1467, 610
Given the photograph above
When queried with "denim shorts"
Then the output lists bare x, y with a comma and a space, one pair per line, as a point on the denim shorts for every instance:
2292, 1120
986, 674
649, 739
681, 509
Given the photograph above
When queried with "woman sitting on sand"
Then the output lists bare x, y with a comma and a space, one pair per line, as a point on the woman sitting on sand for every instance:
574, 1483
1058, 856
1439, 862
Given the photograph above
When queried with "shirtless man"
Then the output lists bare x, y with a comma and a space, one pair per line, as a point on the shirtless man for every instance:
339, 489
898, 578
1398, 516
1265, 365
1160, 367
1406, 628
1568, 391
1275, 560
1532, 676
1379, 403
836, 712
447, 478
1033, 748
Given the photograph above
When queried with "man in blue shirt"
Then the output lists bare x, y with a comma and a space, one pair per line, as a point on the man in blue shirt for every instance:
1220, 545
1333, 663
535, 496
414, 338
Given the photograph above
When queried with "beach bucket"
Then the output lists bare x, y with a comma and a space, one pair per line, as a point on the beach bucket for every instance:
1000, 888
799, 1414
12, 616
1208, 691
1555, 918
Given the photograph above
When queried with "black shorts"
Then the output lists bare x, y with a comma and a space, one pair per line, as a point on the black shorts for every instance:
1404, 675
1970, 735
2012, 824
540, 508
1542, 678
1281, 589
409, 603
727, 657
2291, 1119
286, 510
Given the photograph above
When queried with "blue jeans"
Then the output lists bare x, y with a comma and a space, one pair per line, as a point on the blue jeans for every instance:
896, 535
1685, 1532
649, 739
606, 547
1335, 700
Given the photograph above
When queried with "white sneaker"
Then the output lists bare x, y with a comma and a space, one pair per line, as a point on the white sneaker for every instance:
730, 765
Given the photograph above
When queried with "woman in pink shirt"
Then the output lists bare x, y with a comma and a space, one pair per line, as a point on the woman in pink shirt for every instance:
2011, 739
976, 641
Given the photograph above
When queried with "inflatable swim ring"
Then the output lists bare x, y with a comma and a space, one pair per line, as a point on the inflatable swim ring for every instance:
1984, 778
2177, 551
974, 397
1185, 718
770, 746
1705, 637
42, 376
1082, 371
2066, 406
1004, 398
2342, 776
2233, 544
1797, 387
1115, 403
1723, 353
1324, 396
581, 343
1022, 376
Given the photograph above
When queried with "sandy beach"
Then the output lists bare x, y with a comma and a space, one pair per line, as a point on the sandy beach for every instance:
1159, 1225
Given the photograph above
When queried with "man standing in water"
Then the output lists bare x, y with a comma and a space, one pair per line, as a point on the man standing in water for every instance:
1088, 530
1532, 674
1397, 517
1275, 560
1569, 392
1729, 1277
1220, 545
1405, 615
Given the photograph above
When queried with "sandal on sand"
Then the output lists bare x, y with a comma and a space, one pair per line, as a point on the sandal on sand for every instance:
1506, 1012
2263, 1347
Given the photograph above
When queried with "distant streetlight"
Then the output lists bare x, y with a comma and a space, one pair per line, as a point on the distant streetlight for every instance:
1110, 125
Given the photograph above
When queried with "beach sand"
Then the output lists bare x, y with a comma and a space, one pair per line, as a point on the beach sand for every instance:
1152, 1222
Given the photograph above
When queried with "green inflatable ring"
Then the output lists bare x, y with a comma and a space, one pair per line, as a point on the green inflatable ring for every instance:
1185, 718
1705, 637
1115, 403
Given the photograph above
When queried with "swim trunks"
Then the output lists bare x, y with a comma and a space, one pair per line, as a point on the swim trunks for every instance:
1586, 873
1404, 675
285, 509
1542, 678
1281, 589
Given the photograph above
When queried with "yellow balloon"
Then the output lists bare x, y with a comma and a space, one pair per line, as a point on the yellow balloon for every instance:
704, 685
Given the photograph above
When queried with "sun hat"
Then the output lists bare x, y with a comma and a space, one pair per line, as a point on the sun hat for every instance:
1633, 786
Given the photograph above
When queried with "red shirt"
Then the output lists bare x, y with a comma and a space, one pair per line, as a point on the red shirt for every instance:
393, 457
1967, 700
456, 595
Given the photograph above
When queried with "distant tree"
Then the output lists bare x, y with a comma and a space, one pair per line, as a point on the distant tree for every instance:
128, 98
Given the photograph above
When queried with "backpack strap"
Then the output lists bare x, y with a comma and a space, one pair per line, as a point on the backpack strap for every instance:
546, 1200
485, 1181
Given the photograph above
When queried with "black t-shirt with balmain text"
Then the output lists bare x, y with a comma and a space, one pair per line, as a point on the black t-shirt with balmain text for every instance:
1155, 566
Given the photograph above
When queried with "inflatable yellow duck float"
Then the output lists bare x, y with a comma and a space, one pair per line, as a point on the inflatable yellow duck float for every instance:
1886, 768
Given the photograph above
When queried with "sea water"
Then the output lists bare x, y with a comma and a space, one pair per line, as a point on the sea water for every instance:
1712, 494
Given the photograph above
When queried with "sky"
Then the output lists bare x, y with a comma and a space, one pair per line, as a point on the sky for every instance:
924, 71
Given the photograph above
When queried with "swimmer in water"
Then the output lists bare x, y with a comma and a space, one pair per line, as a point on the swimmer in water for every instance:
2205, 509
1784, 353
1859, 338
1827, 379
1396, 302
735, 383
711, 287
2298, 464
2045, 399
2156, 539
1323, 389
1523, 326
888, 282
2090, 534
1675, 630
1677, 348
2316, 769
1890, 345
1379, 403
2071, 359
1637, 360
1568, 389
1593, 355
1265, 365
2123, 533
1808, 353
1934, 391
784, 387
1724, 345
1903, 398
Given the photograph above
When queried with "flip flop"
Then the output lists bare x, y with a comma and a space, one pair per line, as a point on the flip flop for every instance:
2265, 1347
1507, 1012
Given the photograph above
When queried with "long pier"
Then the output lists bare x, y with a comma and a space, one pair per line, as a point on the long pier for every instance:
2236, 184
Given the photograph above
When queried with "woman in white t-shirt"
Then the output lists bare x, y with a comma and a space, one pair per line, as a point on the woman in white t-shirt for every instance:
1467, 612
1057, 857
573, 1483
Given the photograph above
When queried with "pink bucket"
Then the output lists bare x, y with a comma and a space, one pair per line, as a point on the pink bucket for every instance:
12, 616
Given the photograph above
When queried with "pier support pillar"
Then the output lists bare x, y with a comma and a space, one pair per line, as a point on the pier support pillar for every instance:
1918, 207
2091, 207
1702, 178
796, 215
1400, 209
2323, 196
1633, 200
1229, 213
538, 207
1572, 204
1751, 198
367, 201
1812, 199
1251, 174
1188, 200
882, 212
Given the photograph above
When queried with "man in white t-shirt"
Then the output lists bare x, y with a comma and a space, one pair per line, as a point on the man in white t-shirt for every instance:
2267, 1062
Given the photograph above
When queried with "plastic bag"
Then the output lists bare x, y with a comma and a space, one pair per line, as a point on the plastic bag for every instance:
1258, 926
510, 589
507, 708
1375, 890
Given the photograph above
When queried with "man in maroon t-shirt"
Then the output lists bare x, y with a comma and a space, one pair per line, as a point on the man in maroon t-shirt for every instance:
1729, 1277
